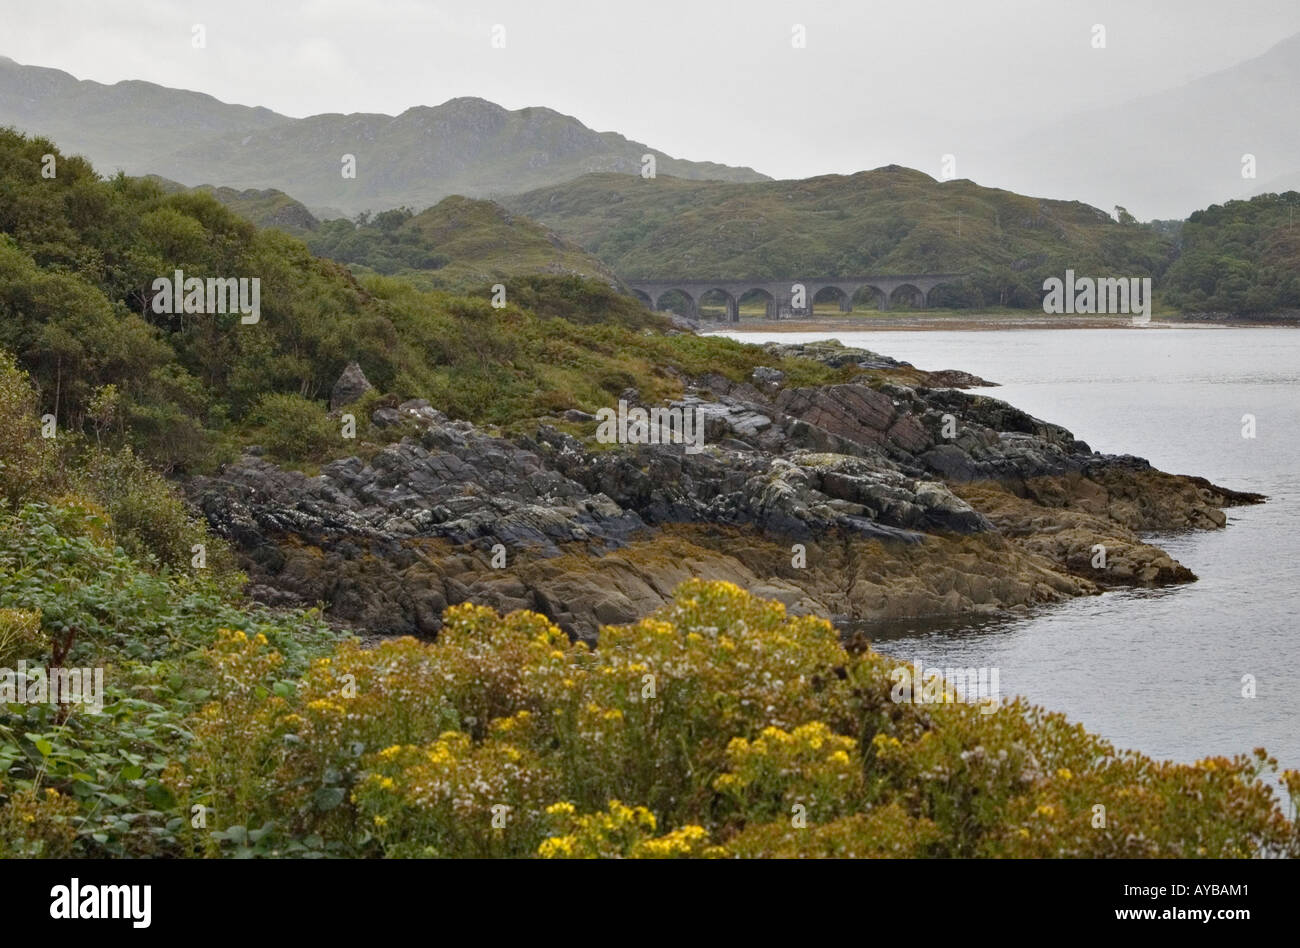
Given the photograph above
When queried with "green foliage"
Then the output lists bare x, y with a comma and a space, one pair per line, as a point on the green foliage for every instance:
28, 465
459, 244
715, 720
77, 783
62, 560
292, 427
78, 257
700, 731
148, 516
510, 366
577, 299
890, 220
141, 510
264, 208
1239, 257
380, 245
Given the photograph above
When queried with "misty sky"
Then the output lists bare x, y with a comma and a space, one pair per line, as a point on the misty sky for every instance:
709, 79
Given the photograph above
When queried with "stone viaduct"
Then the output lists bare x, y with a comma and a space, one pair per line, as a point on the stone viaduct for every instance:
780, 295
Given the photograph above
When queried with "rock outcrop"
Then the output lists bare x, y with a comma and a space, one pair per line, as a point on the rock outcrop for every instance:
867, 500
351, 385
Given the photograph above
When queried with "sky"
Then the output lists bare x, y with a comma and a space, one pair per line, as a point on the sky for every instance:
719, 80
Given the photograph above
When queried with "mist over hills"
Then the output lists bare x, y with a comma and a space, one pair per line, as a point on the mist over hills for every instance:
596, 216
465, 146
129, 125
1162, 155
1153, 154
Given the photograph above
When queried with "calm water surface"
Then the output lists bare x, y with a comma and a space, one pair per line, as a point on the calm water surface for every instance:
1156, 670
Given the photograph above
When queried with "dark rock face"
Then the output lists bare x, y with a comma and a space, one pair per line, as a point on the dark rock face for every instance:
585, 536
955, 378
351, 385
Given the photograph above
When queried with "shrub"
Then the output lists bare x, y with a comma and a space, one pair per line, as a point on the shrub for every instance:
21, 636
719, 726
453, 797
810, 768
885, 832
149, 517
38, 823
293, 428
27, 461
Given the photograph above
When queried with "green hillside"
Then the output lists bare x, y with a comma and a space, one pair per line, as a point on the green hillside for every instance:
217, 706
890, 220
458, 244
78, 257
266, 208
1239, 257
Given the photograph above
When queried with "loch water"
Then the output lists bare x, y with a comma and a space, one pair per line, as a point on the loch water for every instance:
1159, 671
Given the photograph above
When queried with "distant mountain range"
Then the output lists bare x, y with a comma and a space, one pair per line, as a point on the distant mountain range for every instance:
1161, 156
466, 146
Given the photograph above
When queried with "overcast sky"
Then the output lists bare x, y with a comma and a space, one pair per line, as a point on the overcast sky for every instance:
701, 79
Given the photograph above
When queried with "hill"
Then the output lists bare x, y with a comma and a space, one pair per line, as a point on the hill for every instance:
127, 125
1239, 257
890, 220
458, 244
79, 257
268, 207
465, 146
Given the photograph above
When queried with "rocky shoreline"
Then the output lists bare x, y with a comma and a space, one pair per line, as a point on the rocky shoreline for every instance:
895, 495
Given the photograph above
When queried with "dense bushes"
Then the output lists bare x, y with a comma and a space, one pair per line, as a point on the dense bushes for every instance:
290, 426
379, 244
721, 726
78, 257
1239, 257
137, 507
27, 460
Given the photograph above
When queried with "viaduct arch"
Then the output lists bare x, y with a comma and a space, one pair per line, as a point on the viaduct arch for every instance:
782, 294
